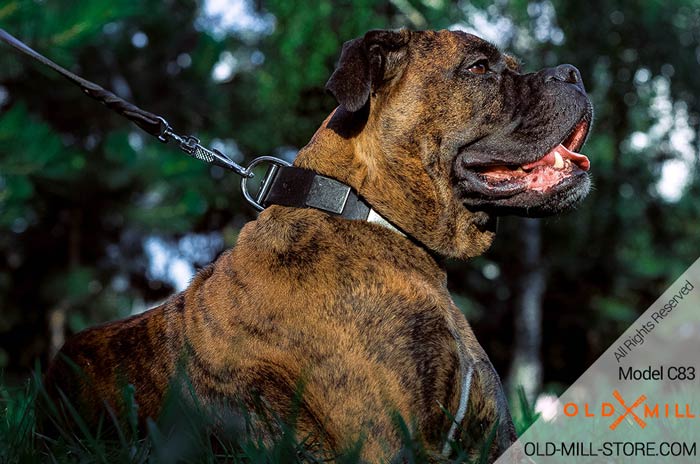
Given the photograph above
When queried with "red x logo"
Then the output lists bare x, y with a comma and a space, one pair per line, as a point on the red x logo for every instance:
628, 410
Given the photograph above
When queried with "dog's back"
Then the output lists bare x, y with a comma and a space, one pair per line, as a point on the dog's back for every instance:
94, 367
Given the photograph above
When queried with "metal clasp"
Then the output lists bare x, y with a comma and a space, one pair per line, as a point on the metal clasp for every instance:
265, 183
190, 145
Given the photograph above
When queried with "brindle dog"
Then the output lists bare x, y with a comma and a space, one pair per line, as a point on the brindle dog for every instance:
438, 132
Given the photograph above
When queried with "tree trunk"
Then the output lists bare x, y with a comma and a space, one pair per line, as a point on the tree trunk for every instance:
526, 367
57, 327
56, 317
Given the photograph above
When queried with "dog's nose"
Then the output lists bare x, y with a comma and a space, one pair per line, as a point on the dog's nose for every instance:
564, 73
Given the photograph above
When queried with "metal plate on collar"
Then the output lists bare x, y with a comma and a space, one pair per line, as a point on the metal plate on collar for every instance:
328, 194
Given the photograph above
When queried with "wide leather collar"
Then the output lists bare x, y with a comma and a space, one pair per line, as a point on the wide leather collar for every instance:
304, 188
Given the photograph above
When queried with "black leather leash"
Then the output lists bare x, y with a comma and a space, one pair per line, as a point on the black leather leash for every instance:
283, 184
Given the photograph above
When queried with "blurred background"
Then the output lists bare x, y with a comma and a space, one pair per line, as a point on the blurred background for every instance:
99, 221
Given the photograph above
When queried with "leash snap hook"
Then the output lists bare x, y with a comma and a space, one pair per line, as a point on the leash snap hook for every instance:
258, 200
192, 146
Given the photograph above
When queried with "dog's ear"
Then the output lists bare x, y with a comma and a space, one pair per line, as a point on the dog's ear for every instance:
365, 65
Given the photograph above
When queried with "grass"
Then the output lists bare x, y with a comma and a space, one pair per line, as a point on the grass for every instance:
183, 433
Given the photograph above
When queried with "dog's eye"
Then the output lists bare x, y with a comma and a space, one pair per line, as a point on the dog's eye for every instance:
480, 67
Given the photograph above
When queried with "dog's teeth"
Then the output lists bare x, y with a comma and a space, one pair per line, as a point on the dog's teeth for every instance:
520, 169
558, 161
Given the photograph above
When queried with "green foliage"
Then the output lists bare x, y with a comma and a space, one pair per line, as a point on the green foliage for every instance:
524, 414
17, 424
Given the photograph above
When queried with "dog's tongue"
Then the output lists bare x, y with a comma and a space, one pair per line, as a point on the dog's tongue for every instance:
550, 159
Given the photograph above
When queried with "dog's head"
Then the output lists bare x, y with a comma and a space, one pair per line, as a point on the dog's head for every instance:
453, 133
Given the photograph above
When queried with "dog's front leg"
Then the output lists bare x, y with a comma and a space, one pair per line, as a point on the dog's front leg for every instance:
483, 403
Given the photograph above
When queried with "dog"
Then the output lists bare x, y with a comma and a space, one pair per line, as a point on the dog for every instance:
439, 132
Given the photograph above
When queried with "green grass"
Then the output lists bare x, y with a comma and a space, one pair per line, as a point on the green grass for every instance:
183, 433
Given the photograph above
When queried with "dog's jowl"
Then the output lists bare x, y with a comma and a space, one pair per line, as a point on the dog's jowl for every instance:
439, 133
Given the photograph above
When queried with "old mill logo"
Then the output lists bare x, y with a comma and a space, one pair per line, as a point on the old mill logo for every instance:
637, 411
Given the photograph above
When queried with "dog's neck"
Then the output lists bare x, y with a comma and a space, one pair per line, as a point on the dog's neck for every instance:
351, 148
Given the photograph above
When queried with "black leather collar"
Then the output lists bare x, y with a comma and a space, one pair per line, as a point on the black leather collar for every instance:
303, 188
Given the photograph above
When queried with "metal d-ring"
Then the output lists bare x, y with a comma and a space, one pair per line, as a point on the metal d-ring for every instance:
264, 183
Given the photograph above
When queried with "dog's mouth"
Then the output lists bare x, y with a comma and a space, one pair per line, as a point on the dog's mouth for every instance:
561, 163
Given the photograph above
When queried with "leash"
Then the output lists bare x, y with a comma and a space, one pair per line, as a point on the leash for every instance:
282, 184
